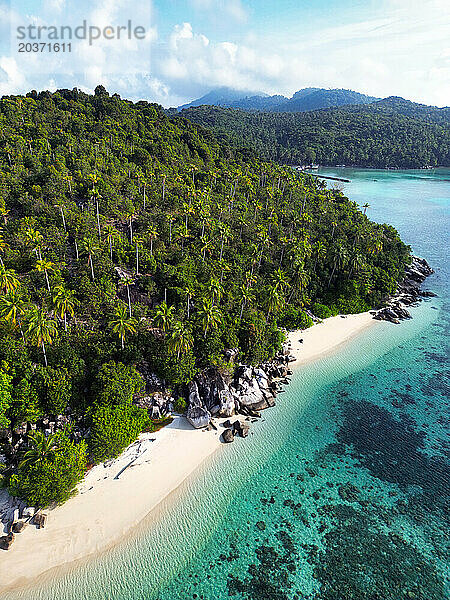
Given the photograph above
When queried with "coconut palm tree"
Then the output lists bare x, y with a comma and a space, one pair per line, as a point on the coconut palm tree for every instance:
64, 302
180, 340
42, 448
247, 296
152, 234
122, 324
215, 289
44, 266
127, 282
164, 316
89, 247
35, 241
8, 280
42, 329
12, 308
274, 300
210, 316
112, 235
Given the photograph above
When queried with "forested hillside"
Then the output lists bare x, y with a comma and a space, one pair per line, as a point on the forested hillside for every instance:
133, 244
389, 133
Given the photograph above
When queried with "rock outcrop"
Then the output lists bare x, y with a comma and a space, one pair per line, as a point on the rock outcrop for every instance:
228, 436
408, 292
6, 541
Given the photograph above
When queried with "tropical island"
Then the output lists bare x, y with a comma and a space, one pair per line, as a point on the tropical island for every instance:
388, 133
146, 264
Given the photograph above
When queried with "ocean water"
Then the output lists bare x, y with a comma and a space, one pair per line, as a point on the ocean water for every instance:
341, 491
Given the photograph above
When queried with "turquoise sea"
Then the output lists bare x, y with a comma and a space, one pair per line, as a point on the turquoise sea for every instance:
341, 491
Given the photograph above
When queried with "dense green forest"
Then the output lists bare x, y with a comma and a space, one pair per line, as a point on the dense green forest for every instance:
303, 100
133, 243
389, 133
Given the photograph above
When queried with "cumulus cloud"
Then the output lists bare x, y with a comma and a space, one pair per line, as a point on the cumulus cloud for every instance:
400, 48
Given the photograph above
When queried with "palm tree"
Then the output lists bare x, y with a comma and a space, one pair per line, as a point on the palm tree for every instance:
210, 316
274, 300
35, 240
90, 248
152, 234
365, 207
215, 288
320, 251
247, 296
42, 448
180, 340
122, 323
12, 308
164, 316
280, 280
111, 236
41, 329
8, 280
127, 282
44, 266
95, 195
64, 301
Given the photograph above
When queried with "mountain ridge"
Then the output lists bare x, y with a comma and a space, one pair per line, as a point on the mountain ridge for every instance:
310, 98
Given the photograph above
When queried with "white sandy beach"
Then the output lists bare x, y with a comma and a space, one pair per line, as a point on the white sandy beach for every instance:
327, 336
106, 507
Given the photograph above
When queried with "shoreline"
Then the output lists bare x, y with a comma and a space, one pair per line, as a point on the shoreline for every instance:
95, 519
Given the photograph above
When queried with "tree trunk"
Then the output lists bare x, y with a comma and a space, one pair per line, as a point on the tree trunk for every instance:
63, 219
45, 354
98, 220
129, 300
92, 267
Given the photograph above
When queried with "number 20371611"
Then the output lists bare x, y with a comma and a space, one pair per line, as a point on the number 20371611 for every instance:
44, 47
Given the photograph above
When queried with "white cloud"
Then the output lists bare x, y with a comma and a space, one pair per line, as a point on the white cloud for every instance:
401, 48
11, 78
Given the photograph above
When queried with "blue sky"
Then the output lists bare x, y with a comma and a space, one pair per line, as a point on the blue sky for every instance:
388, 47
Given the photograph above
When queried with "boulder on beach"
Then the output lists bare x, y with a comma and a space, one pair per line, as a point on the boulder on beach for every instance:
227, 405
40, 520
198, 416
19, 526
228, 436
6, 541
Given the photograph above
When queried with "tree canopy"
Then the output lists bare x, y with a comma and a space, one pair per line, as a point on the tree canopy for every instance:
132, 242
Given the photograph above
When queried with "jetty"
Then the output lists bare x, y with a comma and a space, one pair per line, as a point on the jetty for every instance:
328, 177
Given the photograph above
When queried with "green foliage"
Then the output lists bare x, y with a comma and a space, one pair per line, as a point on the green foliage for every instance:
116, 384
294, 318
376, 135
5, 394
54, 388
322, 311
114, 428
180, 405
131, 240
25, 403
51, 481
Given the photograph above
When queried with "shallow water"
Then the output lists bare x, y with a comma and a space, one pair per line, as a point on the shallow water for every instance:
339, 493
